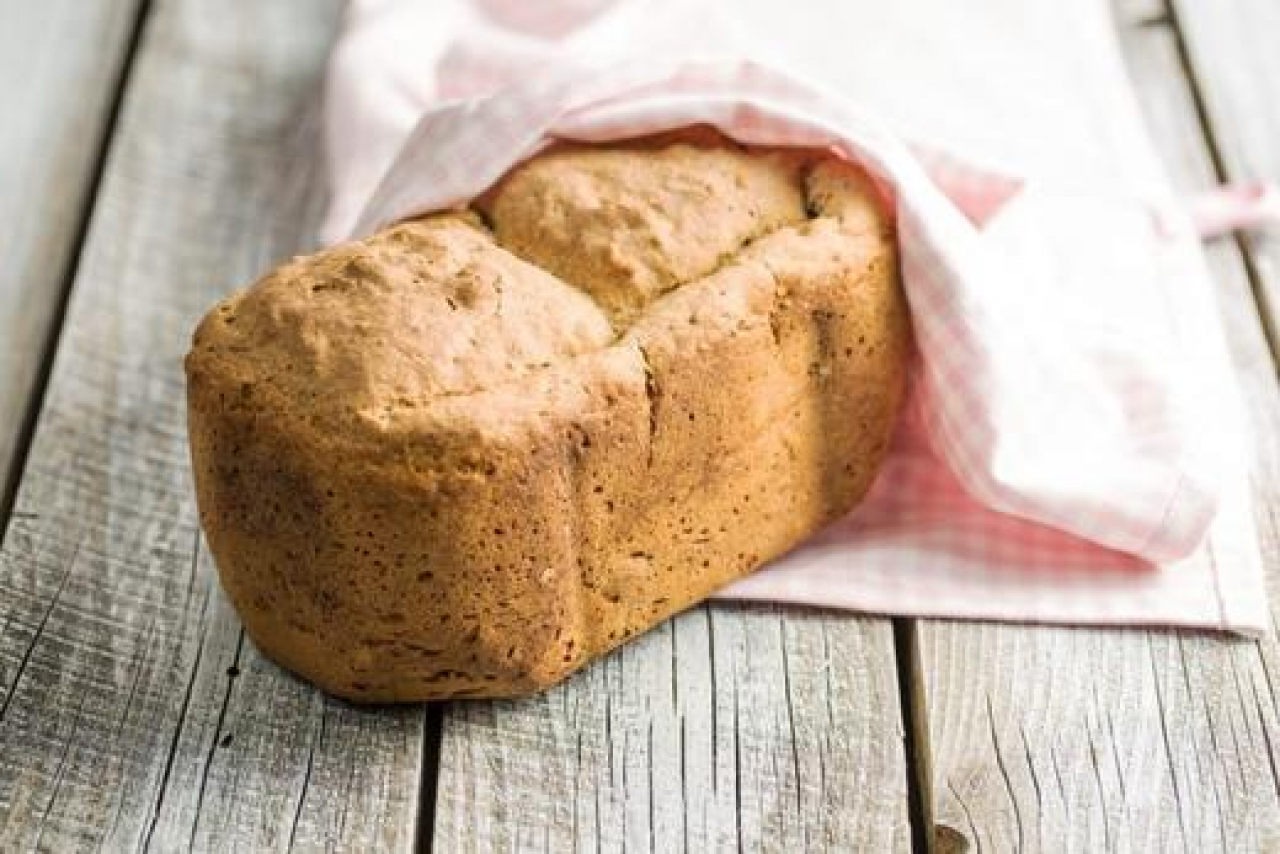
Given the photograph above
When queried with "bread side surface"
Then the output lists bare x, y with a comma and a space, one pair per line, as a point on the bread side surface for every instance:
469, 454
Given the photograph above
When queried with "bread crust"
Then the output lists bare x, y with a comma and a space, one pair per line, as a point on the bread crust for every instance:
469, 454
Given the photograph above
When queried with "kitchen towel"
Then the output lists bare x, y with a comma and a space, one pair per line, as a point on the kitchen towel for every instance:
1073, 447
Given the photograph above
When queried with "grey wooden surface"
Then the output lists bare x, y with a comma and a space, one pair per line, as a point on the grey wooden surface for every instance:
61, 64
730, 727
1233, 53
135, 715
132, 711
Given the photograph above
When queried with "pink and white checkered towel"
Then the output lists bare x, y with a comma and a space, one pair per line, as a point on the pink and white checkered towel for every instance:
1072, 450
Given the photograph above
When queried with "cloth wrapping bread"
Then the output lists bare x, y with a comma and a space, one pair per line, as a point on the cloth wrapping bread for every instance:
739, 295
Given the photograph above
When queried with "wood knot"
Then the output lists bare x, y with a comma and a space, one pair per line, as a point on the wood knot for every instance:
948, 840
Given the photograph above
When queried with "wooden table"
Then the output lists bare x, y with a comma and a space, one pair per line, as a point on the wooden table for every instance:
152, 155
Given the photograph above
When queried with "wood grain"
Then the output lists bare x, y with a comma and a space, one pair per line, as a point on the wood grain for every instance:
728, 728
133, 712
1234, 56
1088, 740
61, 65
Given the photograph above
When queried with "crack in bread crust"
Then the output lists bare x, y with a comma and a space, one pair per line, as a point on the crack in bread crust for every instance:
517, 448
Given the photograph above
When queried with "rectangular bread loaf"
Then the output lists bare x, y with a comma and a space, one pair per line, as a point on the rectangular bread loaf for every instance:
471, 453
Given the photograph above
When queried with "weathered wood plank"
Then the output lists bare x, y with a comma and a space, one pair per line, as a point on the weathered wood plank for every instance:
133, 713
60, 68
730, 727
1234, 55
727, 728
1058, 739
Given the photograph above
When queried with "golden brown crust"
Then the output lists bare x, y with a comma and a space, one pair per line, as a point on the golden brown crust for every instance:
587, 217
448, 461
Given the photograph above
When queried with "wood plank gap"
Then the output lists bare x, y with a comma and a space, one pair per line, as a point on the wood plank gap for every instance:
915, 740
49, 347
429, 776
211, 178
1213, 145
730, 727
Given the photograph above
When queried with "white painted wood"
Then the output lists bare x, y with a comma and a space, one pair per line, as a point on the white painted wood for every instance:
728, 728
1234, 55
1231, 45
133, 713
61, 63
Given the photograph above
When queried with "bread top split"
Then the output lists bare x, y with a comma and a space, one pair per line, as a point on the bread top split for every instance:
578, 250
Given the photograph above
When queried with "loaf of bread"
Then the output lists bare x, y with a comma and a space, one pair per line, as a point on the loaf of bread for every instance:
471, 453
